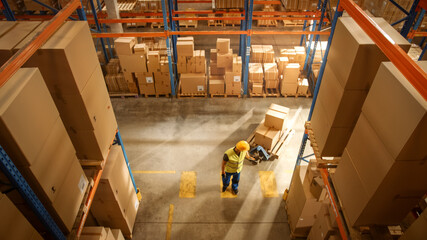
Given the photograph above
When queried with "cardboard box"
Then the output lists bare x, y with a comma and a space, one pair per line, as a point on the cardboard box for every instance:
201, 67
200, 56
213, 55
122, 83
288, 88
215, 70
225, 60
164, 65
117, 234
145, 78
302, 86
182, 60
268, 54
344, 106
15, 33
291, 73
70, 195
237, 64
256, 88
232, 77
257, 53
161, 78
133, 88
269, 84
13, 224
275, 119
417, 230
216, 86
223, 45
129, 77
185, 48
184, 39
25, 88
290, 54
81, 111
398, 113
256, 73
354, 57
133, 63
94, 233
193, 83
140, 48
301, 204
111, 82
191, 65
132, 209
233, 88
271, 72
182, 68
67, 60
124, 45
266, 137
317, 187
154, 58
281, 63
322, 228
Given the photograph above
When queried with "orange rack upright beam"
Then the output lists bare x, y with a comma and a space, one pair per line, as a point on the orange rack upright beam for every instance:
409, 68
20, 57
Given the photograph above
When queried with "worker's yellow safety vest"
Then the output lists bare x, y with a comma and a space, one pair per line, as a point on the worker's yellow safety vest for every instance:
235, 162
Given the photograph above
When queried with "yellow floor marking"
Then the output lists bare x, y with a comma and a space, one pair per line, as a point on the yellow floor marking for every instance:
268, 184
170, 219
187, 187
227, 193
153, 172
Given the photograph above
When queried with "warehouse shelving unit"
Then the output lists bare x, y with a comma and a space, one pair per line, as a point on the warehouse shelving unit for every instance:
415, 75
6, 164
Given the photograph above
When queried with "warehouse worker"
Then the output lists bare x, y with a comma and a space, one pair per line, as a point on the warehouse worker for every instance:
232, 165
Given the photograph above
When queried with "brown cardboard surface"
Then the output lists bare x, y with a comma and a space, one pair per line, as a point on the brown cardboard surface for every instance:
223, 45
129, 77
71, 194
322, 227
288, 88
94, 144
201, 67
132, 207
417, 230
185, 48
13, 36
140, 48
67, 59
5, 26
237, 64
117, 234
81, 111
57, 153
213, 54
124, 45
271, 72
13, 225
275, 119
279, 108
291, 73
302, 86
354, 57
266, 137
225, 60
256, 73
272, 84
191, 65
215, 70
256, 88
193, 83
233, 88
161, 78
154, 58
216, 86
145, 78
25, 107
92, 233
282, 62
344, 106
30, 36
133, 63
398, 113
232, 77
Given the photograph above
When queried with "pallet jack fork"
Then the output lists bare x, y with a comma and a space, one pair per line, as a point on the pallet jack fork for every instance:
260, 154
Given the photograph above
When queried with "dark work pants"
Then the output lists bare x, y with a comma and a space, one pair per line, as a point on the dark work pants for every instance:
234, 181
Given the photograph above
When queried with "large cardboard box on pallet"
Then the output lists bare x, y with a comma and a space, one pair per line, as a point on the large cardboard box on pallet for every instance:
133, 63
256, 73
417, 230
234, 88
354, 57
12, 36
301, 205
225, 60
216, 86
13, 225
322, 228
193, 83
185, 48
267, 137
291, 73
232, 77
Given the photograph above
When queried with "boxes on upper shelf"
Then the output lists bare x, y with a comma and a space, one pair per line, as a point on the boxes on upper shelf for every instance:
223, 45
124, 45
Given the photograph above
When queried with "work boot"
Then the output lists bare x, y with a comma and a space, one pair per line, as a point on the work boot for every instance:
235, 191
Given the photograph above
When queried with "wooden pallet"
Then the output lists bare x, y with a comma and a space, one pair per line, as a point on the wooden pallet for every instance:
224, 95
290, 95
291, 23
275, 152
321, 162
256, 94
272, 92
215, 23
155, 95
157, 25
188, 25
231, 24
123, 95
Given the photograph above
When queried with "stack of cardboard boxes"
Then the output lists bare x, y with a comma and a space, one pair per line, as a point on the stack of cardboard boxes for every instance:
269, 132
301, 4
143, 68
115, 204
289, 81
325, 225
385, 158
148, 5
349, 73
192, 67
271, 76
101, 233
233, 4
225, 69
262, 67
302, 86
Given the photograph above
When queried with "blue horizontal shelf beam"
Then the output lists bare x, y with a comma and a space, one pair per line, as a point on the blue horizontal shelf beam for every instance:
399, 21
399, 7
15, 177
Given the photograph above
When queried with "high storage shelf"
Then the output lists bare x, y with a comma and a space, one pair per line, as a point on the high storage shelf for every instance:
415, 75
7, 165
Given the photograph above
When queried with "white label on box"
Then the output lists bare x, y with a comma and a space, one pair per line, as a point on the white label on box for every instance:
136, 205
200, 88
149, 79
236, 78
82, 183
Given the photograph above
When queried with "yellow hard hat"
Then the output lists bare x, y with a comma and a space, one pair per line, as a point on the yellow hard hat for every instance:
242, 146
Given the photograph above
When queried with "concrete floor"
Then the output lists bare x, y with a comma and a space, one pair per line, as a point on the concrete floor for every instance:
191, 135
